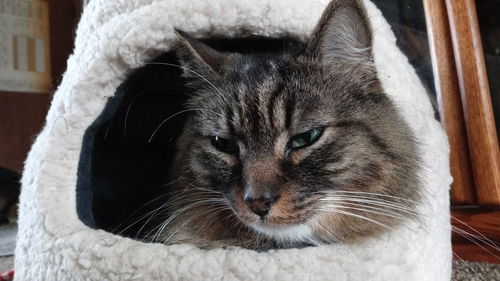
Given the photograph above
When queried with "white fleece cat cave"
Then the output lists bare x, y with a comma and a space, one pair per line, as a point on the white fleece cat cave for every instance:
116, 37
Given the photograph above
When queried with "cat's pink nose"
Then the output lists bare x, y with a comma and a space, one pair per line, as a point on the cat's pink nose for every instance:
260, 205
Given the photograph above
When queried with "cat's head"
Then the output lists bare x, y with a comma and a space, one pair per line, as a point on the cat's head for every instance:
304, 147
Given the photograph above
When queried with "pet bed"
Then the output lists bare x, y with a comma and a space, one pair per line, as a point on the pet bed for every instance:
55, 240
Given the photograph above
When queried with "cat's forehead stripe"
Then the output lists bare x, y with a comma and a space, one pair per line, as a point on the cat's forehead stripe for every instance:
229, 117
271, 104
264, 110
289, 110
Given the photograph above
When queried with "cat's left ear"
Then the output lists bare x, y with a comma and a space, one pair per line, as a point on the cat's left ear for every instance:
343, 35
197, 58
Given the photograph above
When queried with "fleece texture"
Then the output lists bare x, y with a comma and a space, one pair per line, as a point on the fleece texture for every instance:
115, 37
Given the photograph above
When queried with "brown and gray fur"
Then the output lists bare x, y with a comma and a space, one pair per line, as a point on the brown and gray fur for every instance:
358, 180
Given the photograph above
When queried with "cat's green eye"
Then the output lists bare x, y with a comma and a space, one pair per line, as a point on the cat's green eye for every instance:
224, 145
305, 139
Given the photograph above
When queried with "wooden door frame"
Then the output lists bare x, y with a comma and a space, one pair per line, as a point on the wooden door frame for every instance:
467, 115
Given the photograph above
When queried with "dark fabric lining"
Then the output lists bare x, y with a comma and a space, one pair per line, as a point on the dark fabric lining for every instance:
120, 171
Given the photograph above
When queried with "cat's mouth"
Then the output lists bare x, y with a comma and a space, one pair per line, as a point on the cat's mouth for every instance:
281, 223
280, 232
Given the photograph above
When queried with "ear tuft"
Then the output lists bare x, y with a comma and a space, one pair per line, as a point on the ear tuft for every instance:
197, 57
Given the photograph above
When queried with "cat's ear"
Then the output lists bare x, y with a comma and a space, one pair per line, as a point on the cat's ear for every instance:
197, 58
343, 35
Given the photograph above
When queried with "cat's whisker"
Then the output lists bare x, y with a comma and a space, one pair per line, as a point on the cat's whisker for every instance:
205, 189
136, 97
371, 201
144, 216
180, 201
396, 213
137, 210
379, 203
192, 190
335, 192
373, 210
492, 243
165, 223
347, 213
195, 204
159, 228
172, 204
258, 240
396, 200
147, 215
214, 210
191, 185
166, 119
317, 224
150, 218
166, 184
480, 238
135, 222
465, 235
173, 207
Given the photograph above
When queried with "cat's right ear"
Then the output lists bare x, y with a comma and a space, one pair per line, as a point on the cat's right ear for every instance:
197, 58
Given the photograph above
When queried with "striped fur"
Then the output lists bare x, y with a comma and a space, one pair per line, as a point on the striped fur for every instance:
260, 101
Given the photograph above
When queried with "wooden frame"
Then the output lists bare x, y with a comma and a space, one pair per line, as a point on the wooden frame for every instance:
449, 100
467, 115
476, 100
465, 102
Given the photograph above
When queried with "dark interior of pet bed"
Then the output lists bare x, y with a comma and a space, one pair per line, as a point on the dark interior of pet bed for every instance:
127, 151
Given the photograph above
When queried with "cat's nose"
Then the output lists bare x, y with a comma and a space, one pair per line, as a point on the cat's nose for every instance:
260, 205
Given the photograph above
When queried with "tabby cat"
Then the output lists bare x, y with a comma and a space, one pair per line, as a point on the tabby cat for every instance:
290, 149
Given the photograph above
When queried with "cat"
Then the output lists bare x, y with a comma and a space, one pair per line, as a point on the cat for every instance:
290, 149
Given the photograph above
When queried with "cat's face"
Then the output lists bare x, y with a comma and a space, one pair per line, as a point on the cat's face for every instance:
286, 138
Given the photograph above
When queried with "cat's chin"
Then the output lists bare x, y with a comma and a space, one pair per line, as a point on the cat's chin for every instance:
293, 233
